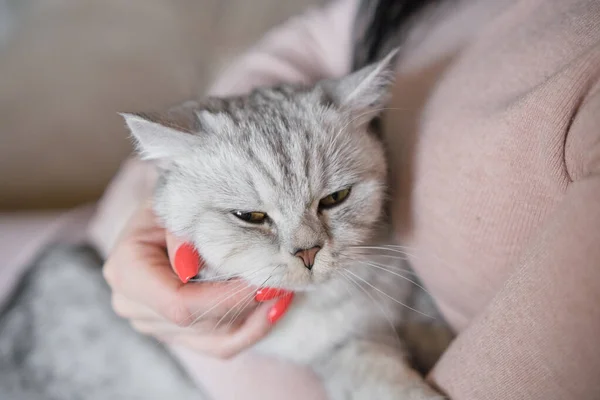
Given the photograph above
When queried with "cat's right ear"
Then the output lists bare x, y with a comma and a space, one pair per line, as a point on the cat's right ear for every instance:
164, 137
366, 91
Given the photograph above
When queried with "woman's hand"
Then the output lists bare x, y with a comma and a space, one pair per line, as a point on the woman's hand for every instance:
220, 319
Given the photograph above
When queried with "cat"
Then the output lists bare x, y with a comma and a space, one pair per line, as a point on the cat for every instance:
286, 187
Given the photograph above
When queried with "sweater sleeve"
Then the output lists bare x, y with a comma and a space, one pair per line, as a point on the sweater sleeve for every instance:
538, 339
307, 48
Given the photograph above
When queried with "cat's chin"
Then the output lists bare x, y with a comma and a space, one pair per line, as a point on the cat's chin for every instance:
314, 283
311, 287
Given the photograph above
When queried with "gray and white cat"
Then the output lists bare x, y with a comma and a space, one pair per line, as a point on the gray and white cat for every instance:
286, 188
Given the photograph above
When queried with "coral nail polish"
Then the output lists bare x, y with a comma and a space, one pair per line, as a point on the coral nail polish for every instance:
187, 262
267, 293
279, 309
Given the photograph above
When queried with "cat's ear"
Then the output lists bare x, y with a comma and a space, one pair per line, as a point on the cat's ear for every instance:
167, 136
367, 89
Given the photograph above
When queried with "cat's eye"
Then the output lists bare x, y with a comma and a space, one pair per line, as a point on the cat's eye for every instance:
334, 199
252, 217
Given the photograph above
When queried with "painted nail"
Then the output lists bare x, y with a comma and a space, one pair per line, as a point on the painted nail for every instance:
279, 309
267, 293
187, 262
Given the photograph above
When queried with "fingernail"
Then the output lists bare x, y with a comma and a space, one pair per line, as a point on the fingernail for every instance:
267, 293
279, 309
187, 262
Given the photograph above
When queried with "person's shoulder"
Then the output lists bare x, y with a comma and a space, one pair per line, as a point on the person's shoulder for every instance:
582, 144
563, 37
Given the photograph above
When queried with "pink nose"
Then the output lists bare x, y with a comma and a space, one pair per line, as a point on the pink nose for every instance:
308, 256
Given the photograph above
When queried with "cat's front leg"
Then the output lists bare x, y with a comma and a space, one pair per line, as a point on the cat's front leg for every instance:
367, 370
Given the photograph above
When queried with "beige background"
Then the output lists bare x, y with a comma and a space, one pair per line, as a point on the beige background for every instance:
68, 66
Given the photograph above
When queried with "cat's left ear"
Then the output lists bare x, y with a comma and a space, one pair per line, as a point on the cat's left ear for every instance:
165, 136
367, 89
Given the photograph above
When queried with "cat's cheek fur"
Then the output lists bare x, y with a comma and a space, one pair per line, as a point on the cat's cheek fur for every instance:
236, 251
325, 267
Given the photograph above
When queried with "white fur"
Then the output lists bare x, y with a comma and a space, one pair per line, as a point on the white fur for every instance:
280, 151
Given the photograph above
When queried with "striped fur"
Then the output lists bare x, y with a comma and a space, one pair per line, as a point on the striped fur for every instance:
280, 151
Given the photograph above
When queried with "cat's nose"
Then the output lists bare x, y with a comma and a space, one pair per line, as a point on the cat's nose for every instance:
308, 256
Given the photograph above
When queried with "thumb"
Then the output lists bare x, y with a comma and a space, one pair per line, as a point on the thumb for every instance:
184, 258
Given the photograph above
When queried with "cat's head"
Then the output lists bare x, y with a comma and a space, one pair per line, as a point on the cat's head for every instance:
276, 186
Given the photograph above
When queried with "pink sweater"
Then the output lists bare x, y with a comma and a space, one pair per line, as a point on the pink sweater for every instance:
496, 124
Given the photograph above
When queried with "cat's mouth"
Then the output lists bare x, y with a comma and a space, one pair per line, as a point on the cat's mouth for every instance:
302, 280
281, 271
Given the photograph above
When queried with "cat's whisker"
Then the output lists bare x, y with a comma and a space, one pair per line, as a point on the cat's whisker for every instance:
366, 257
217, 278
394, 257
398, 246
243, 306
392, 267
242, 284
378, 304
388, 296
358, 253
234, 307
240, 287
246, 300
392, 247
400, 250
380, 248
224, 277
347, 282
196, 319
383, 268
399, 255
404, 255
